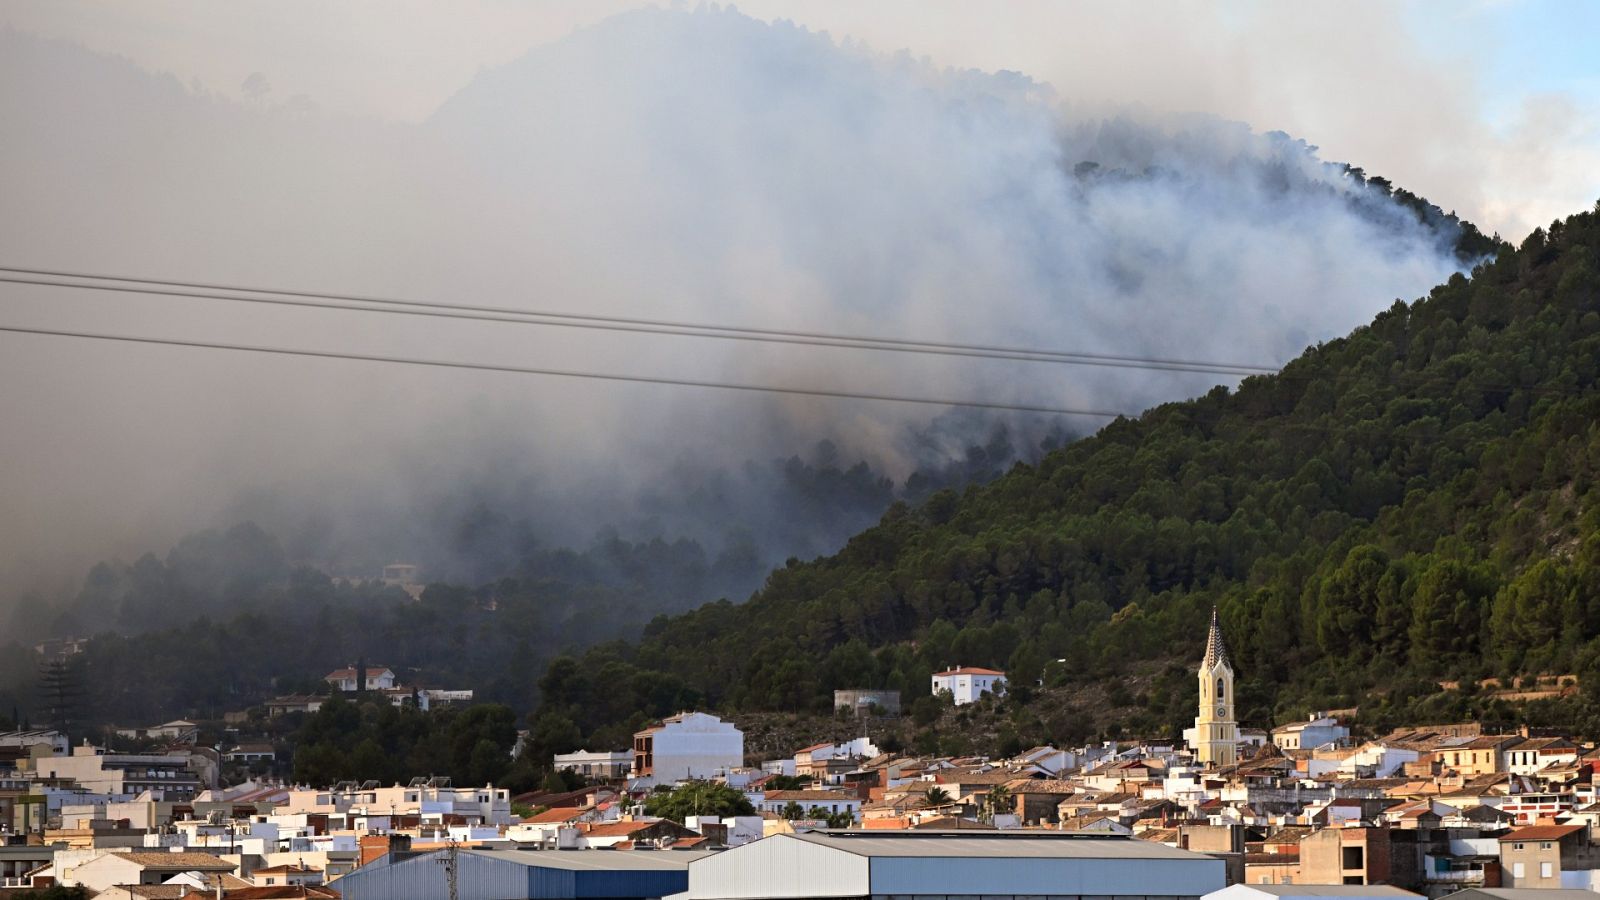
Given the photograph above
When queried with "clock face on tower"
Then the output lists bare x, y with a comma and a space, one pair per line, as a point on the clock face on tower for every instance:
1222, 712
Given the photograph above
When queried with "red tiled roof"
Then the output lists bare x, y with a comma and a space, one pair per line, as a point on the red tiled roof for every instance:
1541, 833
372, 671
971, 670
835, 796
619, 829
179, 861
559, 814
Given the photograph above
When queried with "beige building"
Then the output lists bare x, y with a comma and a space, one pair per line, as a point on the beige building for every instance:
108, 869
1536, 856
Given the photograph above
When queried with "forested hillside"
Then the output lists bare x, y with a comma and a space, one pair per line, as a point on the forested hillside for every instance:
1414, 503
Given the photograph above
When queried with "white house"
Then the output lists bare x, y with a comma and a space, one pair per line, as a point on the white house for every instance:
687, 745
597, 763
967, 683
808, 800
178, 730
103, 869
1318, 731
378, 679
1377, 760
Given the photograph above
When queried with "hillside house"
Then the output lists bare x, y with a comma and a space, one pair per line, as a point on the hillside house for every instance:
687, 745
379, 678
966, 684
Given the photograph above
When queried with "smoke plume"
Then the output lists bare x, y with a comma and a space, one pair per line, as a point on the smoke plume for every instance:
697, 166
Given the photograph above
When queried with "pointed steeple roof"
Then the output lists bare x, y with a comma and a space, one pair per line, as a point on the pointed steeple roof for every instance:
1216, 650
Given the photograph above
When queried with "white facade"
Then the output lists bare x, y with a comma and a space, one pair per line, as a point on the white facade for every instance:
825, 801
166, 776
596, 764
1308, 735
945, 864
55, 740
484, 805
378, 679
1377, 761
967, 684
685, 746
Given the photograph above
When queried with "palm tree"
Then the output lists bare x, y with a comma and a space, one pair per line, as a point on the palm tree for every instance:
998, 801
936, 796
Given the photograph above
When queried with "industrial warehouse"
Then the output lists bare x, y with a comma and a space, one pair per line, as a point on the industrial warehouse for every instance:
944, 865
512, 874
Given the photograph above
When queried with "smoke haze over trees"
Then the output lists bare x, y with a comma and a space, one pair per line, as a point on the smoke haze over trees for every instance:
698, 166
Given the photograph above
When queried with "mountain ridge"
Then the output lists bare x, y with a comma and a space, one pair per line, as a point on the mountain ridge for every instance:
1412, 502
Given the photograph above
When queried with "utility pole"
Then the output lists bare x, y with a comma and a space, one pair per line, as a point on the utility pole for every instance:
449, 861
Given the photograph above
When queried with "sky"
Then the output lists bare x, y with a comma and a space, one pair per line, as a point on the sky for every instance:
1488, 107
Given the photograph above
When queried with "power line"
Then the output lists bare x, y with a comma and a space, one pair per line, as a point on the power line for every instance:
565, 373
348, 302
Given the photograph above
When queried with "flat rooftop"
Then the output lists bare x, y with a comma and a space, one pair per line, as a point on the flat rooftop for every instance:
992, 844
597, 860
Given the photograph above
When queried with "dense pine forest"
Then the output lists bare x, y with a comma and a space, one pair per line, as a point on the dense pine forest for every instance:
1411, 505
1394, 520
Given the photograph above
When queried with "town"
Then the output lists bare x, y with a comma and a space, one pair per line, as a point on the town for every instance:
936, 450
1303, 809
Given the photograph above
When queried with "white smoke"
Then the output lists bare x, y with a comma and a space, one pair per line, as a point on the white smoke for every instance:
699, 166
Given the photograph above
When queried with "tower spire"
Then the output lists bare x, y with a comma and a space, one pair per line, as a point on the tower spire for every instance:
1216, 650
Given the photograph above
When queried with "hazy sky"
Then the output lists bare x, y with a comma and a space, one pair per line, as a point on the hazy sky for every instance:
1490, 107
700, 166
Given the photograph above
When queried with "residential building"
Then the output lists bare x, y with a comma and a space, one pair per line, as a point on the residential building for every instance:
1475, 756
256, 751
1360, 855
603, 765
1547, 856
1317, 731
831, 802
379, 678
286, 874
104, 869
178, 731
687, 745
966, 684
1527, 808
294, 703
1520, 894
430, 802
25, 740
1528, 756
168, 776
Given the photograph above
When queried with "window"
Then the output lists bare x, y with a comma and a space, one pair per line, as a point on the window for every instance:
1546, 870
1516, 870
1544, 845
1516, 846
1221, 692
1353, 858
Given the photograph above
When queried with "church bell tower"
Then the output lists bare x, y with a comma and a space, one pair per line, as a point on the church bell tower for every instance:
1216, 729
